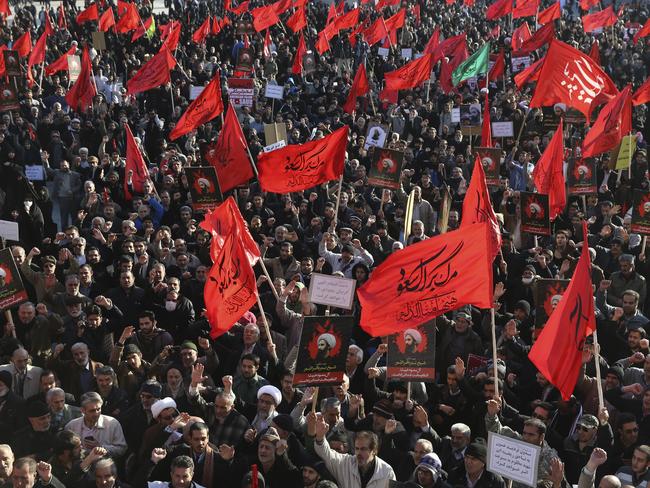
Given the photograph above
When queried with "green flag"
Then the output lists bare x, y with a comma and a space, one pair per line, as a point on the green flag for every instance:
476, 64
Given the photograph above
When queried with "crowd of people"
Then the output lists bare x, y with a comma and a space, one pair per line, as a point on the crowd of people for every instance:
109, 375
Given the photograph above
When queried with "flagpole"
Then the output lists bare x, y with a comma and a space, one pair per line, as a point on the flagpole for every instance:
599, 385
338, 201
268, 277
494, 352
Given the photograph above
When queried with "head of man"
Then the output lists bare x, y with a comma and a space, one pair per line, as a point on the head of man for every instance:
428, 470
182, 472
630, 300
6, 462
534, 432
586, 429
542, 411
80, 354
628, 429
461, 434
422, 448
251, 334
353, 357
249, 365
38, 415
105, 473
223, 405
105, 379
68, 447
311, 475
24, 473
331, 410
365, 448
26, 313
266, 448
20, 359
127, 280
55, 399
462, 322
626, 265
91, 408
150, 391
475, 457
189, 354
164, 411
198, 435
268, 398
47, 381
147, 322
641, 460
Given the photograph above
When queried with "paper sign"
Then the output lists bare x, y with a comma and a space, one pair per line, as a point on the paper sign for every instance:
74, 67
274, 91
274, 146
332, 291
9, 230
407, 53
383, 52
195, 91
502, 129
275, 132
34, 172
513, 459
412, 355
99, 40
240, 91
455, 115
625, 152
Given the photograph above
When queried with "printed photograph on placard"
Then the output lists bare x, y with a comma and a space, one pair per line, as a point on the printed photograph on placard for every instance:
548, 293
12, 290
491, 160
204, 187
323, 349
12, 62
245, 58
535, 214
641, 212
581, 177
308, 63
386, 169
470, 115
376, 135
8, 98
412, 355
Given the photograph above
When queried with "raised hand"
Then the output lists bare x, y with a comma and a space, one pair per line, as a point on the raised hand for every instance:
226, 452
197, 374
158, 454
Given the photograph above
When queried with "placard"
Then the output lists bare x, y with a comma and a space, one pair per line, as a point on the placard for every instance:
535, 213
99, 40
12, 62
455, 115
581, 177
502, 129
622, 154
240, 92
274, 91
275, 132
308, 63
9, 230
323, 349
376, 135
513, 459
204, 187
74, 67
475, 364
333, 291
407, 53
412, 355
520, 63
470, 115
548, 293
383, 52
35, 172
245, 57
8, 99
641, 212
195, 91
274, 146
386, 170
12, 291
491, 160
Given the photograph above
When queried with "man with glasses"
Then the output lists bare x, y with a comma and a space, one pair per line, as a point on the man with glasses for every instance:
138, 417
625, 442
590, 433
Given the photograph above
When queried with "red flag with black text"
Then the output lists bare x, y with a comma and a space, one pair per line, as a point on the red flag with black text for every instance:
427, 279
642, 95
411, 75
525, 8
201, 34
613, 123
91, 13
60, 64
597, 20
548, 173
557, 353
298, 20
264, 17
203, 109
359, 88
134, 162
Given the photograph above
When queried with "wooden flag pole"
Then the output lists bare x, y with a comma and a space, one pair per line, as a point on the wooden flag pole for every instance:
266, 324
268, 277
599, 384
338, 202
494, 352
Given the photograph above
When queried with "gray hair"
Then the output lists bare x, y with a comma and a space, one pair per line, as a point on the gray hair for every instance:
106, 462
91, 398
462, 429
331, 402
54, 392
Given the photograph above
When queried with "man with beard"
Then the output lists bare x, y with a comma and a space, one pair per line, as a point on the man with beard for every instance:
326, 343
285, 265
6, 464
130, 368
149, 339
35, 439
60, 412
44, 282
138, 417
412, 339
67, 455
76, 375
261, 414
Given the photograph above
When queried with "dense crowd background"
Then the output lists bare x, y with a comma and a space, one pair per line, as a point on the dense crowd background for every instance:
110, 378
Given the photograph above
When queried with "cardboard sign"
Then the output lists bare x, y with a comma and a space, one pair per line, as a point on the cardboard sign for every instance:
195, 92
376, 135
641, 212
581, 177
99, 41
274, 146
240, 92
383, 52
470, 115
323, 349
274, 91
535, 214
386, 169
35, 172
491, 159
12, 291
8, 99
333, 291
275, 132
513, 459
74, 67
548, 293
622, 154
12, 62
9, 230
412, 355
204, 187
502, 129
308, 63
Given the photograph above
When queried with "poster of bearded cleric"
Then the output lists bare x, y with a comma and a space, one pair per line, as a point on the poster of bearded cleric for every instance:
641, 212
386, 169
548, 293
535, 213
412, 355
581, 177
12, 291
204, 187
323, 350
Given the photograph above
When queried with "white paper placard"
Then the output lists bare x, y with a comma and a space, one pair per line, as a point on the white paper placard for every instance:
195, 91
274, 146
513, 459
383, 52
455, 115
34, 172
332, 291
407, 53
9, 230
74, 67
502, 129
274, 91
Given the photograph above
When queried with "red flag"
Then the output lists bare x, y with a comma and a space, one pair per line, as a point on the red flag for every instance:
571, 77
281, 6
153, 74
415, 10
447, 67
376, 32
202, 32
229, 155
331, 14
61, 21
499, 67
80, 96
642, 95
37, 56
267, 44
486, 130
495, 32
23, 45
548, 176
230, 290
241, 8
296, 69
225, 220
498, 9
542, 36
643, 32
587, 4
173, 38
525, 8
412, 74
4, 8
520, 35
396, 21
91, 13
298, 20
48, 29
134, 162
604, 18
594, 53
322, 45
301, 166
348, 20
129, 17
477, 207
548, 15
449, 46
202, 109
264, 17
359, 88
142, 28
613, 123
529, 74
107, 20
60, 64
385, 3
557, 353
433, 43
427, 279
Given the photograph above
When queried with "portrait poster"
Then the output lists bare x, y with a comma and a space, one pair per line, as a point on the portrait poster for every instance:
641, 212
386, 169
245, 57
12, 291
323, 349
535, 214
12, 62
308, 63
470, 115
581, 177
491, 159
204, 187
376, 135
8, 98
412, 354
548, 293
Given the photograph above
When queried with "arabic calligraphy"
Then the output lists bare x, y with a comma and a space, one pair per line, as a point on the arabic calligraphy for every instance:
583, 82
426, 307
513, 459
430, 274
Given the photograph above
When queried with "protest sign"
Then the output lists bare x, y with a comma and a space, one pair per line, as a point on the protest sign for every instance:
548, 293
491, 159
581, 177
386, 169
12, 291
204, 187
9, 230
240, 91
641, 212
333, 291
513, 459
535, 213
412, 355
274, 91
502, 129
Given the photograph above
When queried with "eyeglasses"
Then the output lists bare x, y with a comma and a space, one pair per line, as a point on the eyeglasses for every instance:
583, 428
